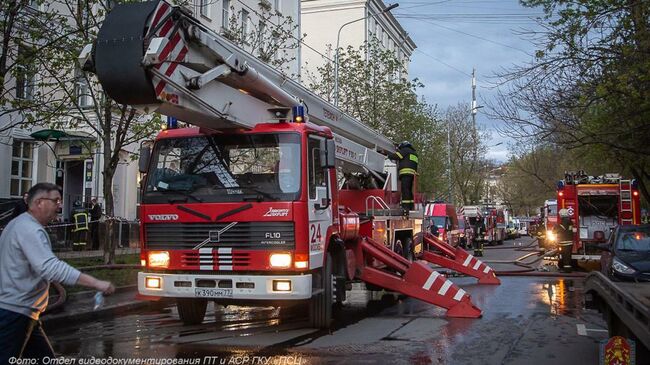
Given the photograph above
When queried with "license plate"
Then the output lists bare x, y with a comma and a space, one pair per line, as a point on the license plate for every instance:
213, 293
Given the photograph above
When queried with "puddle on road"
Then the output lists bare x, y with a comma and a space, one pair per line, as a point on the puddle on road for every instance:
159, 333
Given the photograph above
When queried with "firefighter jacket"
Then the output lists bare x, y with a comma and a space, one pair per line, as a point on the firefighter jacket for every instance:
407, 160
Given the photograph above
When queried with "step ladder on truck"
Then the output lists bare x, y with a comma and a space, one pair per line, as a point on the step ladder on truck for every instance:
246, 207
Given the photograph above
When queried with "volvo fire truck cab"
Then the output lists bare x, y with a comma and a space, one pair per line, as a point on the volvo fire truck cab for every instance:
594, 205
275, 197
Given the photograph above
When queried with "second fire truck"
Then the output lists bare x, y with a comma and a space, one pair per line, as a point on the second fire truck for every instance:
591, 206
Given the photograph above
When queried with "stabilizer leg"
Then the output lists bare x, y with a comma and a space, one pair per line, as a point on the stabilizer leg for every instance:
415, 280
458, 260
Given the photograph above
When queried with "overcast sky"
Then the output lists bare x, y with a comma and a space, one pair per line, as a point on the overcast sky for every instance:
454, 36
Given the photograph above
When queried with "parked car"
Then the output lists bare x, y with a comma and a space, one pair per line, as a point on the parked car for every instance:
467, 234
626, 255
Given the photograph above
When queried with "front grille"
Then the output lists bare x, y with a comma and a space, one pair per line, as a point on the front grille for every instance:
236, 259
262, 235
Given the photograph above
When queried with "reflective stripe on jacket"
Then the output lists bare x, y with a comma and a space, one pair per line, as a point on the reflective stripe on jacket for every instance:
407, 160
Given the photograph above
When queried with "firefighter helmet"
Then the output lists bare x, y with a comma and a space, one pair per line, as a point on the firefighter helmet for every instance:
405, 144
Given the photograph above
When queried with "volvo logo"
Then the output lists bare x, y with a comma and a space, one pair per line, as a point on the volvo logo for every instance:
214, 236
163, 217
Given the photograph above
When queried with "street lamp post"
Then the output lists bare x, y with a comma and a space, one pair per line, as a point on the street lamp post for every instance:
336, 58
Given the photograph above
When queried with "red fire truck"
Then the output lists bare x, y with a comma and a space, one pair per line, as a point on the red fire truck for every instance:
246, 208
595, 204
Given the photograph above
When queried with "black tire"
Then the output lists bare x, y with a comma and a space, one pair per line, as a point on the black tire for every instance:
190, 310
407, 250
320, 305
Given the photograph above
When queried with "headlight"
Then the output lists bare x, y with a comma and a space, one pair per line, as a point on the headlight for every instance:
621, 267
159, 259
280, 260
551, 236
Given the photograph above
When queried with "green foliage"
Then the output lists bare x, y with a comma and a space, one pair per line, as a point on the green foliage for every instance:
467, 155
272, 39
588, 89
373, 88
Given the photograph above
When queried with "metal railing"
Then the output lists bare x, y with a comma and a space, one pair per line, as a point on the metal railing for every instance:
371, 205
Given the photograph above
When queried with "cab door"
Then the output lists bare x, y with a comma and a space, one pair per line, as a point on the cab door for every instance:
319, 201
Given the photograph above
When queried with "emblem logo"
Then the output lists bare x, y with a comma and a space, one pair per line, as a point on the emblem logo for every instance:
276, 212
215, 236
163, 217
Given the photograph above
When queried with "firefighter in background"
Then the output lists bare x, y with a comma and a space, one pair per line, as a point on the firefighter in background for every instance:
480, 236
95, 216
407, 166
564, 232
80, 226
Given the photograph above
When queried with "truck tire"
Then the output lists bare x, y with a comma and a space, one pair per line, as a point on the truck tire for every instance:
190, 310
320, 305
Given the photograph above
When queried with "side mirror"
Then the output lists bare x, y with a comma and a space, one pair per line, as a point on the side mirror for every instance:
328, 154
143, 161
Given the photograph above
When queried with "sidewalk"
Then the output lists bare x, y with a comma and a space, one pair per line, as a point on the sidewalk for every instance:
79, 306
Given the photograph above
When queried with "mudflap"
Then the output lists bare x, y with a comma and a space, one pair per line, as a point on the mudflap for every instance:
457, 259
413, 279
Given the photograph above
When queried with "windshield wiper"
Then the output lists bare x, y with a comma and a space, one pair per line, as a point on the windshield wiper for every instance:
185, 193
261, 193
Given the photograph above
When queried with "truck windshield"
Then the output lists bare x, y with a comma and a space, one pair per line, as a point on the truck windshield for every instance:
225, 168
552, 210
439, 221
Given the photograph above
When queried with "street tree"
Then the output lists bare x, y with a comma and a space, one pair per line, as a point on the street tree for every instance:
467, 153
373, 87
27, 42
274, 39
587, 88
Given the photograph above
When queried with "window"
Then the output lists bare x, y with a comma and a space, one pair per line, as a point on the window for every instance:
25, 75
260, 36
244, 22
203, 8
316, 173
82, 90
22, 161
225, 14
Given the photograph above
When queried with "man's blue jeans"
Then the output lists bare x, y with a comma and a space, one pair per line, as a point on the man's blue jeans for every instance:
21, 336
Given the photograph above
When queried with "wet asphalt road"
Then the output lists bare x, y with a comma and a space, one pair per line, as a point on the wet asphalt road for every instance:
526, 320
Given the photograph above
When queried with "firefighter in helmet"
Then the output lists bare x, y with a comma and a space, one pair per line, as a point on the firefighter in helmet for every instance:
407, 166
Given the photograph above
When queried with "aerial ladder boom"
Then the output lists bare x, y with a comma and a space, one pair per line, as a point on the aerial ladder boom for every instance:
158, 58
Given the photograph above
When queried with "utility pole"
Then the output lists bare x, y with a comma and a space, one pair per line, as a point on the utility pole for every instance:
474, 106
450, 196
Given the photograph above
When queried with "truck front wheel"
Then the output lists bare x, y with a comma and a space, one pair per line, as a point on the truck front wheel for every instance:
320, 305
191, 310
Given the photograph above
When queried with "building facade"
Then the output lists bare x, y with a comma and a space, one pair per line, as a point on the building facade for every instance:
321, 21
71, 156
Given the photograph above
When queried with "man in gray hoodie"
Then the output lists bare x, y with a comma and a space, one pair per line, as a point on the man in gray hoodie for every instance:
27, 266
